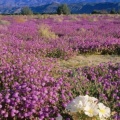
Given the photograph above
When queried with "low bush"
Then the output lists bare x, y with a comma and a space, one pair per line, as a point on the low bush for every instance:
45, 32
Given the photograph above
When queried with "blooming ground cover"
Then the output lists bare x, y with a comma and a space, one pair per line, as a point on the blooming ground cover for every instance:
34, 86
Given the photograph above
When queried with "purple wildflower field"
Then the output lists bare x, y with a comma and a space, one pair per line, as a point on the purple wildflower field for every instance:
32, 84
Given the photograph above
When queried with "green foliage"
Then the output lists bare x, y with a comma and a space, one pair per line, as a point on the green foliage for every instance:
118, 11
56, 53
63, 9
99, 12
113, 11
26, 11
115, 50
96, 12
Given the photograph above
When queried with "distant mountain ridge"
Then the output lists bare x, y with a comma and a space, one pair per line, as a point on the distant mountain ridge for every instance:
18, 3
78, 8
75, 8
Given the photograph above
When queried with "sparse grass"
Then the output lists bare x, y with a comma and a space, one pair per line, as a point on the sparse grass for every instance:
88, 60
4, 22
45, 16
93, 19
20, 19
74, 18
58, 19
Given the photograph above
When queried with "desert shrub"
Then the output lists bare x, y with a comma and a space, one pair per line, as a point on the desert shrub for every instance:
56, 53
113, 50
113, 11
96, 12
45, 32
63, 9
118, 11
26, 11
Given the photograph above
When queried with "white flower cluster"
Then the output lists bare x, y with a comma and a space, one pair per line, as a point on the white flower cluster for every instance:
90, 107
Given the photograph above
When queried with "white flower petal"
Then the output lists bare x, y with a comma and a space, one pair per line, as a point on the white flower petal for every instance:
104, 112
75, 105
91, 109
